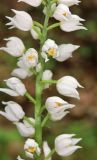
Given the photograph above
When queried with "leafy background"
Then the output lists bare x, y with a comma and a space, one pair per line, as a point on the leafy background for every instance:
82, 120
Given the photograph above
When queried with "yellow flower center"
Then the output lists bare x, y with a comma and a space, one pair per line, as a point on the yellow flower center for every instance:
65, 14
31, 149
30, 57
52, 52
58, 104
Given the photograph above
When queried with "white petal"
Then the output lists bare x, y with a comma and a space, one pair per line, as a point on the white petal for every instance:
69, 2
14, 46
34, 3
60, 12
24, 130
19, 158
35, 34
22, 20
68, 151
9, 92
47, 75
65, 51
20, 73
46, 149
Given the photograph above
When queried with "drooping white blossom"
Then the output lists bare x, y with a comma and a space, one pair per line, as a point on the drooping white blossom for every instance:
26, 129
67, 86
69, 2
28, 61
13, 111
21, 20
30, 58
73, 23
49, 49
16, 87
46, 149
62, 12
65, 51
65, 144
14, 46
34, 3
31, 148
57, 107
47, 75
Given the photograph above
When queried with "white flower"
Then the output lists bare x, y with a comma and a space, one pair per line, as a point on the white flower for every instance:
69, 2
34, 33
49, 49
34, 3
57, 108
19, 158
31, 148
61, 12
17, 88
27, 62
47, 75
30, 58
65, 145
72, 24
67, 86
21, 20
13, 111
46, 149
14, 46
26, 129
65, 51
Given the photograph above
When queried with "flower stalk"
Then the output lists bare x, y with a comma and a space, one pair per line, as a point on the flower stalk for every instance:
39, 86
30, 62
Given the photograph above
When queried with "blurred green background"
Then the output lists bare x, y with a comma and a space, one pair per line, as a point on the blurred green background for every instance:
82, 120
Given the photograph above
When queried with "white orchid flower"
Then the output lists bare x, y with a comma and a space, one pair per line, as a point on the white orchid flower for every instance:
26, 129
46, 149
62, 12
65, 51
30, 58
47, 75
34, 33
65, 144
14, 46
21, 20
72, 24
31, 148
69, 2
16, 87
19, 158
67, 86
27, 62
49, 49
57, 107
34, 3
13, 111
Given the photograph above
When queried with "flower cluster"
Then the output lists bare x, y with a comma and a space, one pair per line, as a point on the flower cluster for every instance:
31, 62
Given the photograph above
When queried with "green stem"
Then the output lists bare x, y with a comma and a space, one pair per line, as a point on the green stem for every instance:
30, 97
53, 26
49, 81
50, 154
45, 120
38, 24
39, 86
